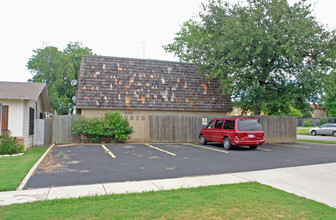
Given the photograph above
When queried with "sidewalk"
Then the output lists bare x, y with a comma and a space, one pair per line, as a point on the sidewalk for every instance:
316, 182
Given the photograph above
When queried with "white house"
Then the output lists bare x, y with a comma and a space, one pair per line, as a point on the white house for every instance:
20, 104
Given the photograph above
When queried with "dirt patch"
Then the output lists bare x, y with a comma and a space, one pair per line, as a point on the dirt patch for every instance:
51, 164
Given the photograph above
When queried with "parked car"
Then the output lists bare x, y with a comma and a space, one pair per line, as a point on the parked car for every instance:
233, 132
326, 129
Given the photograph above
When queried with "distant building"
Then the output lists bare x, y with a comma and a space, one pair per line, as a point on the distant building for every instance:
318, 111
20, 104
237, 111
139, 88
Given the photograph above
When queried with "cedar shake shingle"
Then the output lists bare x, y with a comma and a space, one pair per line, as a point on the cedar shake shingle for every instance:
139, 84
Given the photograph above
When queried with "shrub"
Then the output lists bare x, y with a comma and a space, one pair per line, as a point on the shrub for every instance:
306, 124
323, 121
295, 112
116, 126
113, 125
79, 126
9, 145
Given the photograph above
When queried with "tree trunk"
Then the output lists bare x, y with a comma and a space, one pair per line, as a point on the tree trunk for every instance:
257, 110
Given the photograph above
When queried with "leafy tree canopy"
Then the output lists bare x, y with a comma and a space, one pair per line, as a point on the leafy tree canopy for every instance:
330, 97
57, 69
295, 112
267, 54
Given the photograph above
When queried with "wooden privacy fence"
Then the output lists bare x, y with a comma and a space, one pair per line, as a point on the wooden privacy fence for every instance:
183, 128
62, 129
56, 130
42, 132
165, 128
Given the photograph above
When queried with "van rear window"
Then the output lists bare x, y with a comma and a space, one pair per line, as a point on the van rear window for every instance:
249, 125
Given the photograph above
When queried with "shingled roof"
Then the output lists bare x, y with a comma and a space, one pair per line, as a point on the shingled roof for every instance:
24, 91
123, 83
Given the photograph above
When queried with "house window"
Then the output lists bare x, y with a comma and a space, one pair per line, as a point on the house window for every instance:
236, 111
31, 121
41, 115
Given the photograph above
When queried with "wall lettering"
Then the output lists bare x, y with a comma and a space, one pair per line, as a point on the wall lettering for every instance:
134, 118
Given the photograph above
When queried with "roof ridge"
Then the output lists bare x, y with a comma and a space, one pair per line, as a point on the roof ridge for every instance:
138, 59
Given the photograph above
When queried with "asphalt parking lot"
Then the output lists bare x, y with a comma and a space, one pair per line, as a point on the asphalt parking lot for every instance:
90, 164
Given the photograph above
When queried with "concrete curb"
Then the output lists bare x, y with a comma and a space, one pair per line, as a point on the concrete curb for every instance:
31, 171
13, 155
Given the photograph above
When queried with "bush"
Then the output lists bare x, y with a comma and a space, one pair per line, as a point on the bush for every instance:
295, 112
9, 145
323, 121
306, 124
113, 125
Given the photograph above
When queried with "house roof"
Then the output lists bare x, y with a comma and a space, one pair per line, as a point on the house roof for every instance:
124, 83
317, 106
25, 91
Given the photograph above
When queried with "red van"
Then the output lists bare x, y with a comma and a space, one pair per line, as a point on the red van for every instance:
233, 132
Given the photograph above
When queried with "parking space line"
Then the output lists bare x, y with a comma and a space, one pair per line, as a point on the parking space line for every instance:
159, 149
109, 152
258, 148
287, 145
264, 149
208, 148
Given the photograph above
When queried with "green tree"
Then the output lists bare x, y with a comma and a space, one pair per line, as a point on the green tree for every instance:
57, 69
267, 54
330, 97
75, 51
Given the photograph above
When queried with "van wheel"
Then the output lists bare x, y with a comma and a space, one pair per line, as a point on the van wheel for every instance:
253, 147
202, 140
334, 133
227, 144
313, 132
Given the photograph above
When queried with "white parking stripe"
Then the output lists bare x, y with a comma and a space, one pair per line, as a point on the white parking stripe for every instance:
259, 148
156, 148
109, 152
208, 148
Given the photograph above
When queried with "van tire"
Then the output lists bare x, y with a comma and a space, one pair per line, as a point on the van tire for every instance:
227, 144
202, 140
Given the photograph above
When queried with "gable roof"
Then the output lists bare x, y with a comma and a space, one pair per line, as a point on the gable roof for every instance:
124, 83
25, 91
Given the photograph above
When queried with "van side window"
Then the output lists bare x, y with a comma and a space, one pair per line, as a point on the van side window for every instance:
229, 124
219, 124
211, 124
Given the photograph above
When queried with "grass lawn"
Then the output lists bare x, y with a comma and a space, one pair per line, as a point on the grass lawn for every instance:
318, 141
304, 130
14, 169
235, 201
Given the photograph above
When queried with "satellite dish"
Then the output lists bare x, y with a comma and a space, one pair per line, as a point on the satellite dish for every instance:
74, 99
73, 82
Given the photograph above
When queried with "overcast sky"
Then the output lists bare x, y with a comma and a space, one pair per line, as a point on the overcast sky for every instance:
108, 27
